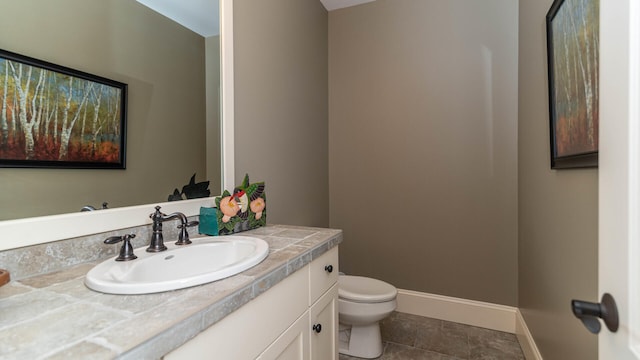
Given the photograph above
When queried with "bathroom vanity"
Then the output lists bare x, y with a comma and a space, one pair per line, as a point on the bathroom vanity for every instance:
296, 319
283, 308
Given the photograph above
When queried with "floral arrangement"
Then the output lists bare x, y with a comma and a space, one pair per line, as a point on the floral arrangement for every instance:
242, 210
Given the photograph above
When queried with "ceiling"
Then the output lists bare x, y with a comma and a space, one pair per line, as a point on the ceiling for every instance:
339, 4
202, 16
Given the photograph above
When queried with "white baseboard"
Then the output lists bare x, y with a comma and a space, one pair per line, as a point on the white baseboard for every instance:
525, 338
470, 312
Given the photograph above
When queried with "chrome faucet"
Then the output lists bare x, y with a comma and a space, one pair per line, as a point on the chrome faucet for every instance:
157, 240
91, 208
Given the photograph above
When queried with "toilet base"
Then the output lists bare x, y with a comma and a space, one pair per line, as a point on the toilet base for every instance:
364, 341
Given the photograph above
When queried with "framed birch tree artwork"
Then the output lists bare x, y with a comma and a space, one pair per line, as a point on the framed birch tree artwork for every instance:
573, 51
55, 117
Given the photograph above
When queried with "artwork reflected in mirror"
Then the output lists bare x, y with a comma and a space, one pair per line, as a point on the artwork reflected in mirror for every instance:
53, 116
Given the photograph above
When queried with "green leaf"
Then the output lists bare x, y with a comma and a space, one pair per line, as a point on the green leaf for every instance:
245, 182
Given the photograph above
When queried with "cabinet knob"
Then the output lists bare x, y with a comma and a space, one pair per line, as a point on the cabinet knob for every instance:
328, 268
317, 328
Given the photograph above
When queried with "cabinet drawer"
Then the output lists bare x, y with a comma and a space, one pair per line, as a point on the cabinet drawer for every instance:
323, 274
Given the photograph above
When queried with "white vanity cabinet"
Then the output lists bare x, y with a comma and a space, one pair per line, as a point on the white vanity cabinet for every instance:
295, 319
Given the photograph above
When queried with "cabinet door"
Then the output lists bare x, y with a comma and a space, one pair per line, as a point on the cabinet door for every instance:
324, 338
293, 344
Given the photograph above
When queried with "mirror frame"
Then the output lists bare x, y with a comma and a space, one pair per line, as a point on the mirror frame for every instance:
38, 230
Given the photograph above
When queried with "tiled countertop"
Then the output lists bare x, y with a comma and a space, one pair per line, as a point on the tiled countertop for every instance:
55, 316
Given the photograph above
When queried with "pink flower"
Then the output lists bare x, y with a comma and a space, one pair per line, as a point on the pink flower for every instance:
229, 208
257, 206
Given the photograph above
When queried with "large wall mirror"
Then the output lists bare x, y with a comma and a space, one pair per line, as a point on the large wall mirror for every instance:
173, 77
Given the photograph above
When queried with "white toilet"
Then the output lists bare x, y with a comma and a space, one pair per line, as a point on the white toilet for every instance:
362, 303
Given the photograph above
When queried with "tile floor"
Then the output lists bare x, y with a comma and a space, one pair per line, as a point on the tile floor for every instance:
411, 337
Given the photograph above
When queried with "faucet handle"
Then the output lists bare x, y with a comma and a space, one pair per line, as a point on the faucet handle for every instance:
183, 237
157, 215
126, 251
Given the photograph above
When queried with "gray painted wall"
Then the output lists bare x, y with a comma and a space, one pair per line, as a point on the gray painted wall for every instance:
163, 64
423, 203
557, 212
423, 144
280, 59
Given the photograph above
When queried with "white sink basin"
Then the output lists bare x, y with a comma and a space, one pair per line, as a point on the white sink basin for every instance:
207, 259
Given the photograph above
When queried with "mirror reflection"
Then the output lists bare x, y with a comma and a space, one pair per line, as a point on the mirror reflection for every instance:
173, 102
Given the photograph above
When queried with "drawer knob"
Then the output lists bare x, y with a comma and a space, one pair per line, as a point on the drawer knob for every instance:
317, 328
328, 268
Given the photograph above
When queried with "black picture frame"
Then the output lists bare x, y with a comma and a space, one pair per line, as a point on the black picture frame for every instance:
572, 57
56, 117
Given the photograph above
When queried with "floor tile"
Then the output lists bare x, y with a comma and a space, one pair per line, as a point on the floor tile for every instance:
487, 344
445, 339
411, 337
399, 329
402, 352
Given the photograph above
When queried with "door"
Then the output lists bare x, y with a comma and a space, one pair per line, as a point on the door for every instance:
619, 174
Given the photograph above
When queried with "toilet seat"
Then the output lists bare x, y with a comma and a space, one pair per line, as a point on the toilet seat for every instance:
365, 290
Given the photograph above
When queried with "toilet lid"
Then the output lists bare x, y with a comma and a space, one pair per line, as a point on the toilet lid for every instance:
364, 289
